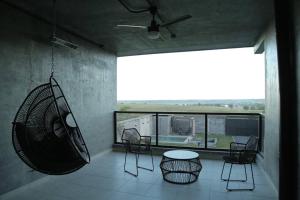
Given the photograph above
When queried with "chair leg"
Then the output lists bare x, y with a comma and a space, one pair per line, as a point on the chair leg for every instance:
253, 183
149, 169
241, 189
222, 172
245, 174
152, 161
136, 165
125, 160
227, 188
226, 179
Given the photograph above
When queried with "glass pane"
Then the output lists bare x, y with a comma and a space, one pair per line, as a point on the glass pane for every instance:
181, 130
143, 122
224, 129
262, 134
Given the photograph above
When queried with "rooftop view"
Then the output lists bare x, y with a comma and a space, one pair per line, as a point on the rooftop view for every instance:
216, 80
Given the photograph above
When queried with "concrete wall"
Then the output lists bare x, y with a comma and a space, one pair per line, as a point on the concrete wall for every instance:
272, 108
164, 124
87, 77
145, 124
242, 125
216, 124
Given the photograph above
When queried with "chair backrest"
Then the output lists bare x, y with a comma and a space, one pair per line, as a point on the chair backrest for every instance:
252, 143
131, 136
250, 151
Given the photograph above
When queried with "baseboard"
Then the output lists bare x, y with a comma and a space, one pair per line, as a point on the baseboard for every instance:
204, 154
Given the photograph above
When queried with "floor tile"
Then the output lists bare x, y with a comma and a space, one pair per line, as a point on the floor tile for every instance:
104, 178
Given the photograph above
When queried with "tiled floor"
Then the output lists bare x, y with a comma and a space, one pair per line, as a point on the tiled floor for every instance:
104, 179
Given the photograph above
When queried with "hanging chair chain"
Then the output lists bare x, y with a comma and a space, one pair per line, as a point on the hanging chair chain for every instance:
53, 36
52, 60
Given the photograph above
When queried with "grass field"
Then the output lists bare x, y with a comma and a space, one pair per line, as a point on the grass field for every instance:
182, 108
223, 142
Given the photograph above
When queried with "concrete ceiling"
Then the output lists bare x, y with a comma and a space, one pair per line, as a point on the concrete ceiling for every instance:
215, 24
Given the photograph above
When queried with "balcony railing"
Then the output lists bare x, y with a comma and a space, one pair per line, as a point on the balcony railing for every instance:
207, 131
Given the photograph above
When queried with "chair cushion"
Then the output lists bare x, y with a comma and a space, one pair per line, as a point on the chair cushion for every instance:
237, 160
231, 159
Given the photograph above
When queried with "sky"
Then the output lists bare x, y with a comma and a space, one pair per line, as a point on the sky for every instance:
213, 74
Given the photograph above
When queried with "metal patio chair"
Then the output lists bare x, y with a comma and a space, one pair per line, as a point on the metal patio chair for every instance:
136, 144
241, 154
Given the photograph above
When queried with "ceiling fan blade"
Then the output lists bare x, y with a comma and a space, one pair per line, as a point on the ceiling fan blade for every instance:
162, 37
131, 26
131, 9
179, 19
162, 20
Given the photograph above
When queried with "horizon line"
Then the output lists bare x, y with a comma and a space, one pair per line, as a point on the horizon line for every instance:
188, 99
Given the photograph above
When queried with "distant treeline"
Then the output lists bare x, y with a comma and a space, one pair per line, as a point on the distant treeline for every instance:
198, 102
256, 106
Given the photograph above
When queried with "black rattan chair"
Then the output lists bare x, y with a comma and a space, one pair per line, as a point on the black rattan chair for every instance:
241, 154
45, 134
136, 144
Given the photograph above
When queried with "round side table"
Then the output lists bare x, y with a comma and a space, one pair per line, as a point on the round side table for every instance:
180, 166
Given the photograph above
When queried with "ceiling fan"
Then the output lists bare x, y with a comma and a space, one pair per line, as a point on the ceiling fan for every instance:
154, 27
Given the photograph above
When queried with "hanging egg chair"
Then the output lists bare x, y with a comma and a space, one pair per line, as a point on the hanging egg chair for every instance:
45, 133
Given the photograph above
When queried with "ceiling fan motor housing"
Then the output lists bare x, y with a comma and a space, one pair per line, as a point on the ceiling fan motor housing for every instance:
154, 27
153, 30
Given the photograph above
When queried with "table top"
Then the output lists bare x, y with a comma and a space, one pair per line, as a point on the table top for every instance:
181, 154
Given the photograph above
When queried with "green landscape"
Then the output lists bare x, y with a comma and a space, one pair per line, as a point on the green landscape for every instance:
223, 141
226, 106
